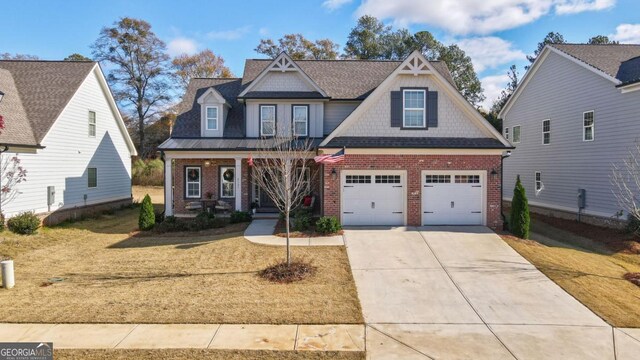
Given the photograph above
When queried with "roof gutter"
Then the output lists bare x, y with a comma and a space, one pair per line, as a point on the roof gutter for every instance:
27, 146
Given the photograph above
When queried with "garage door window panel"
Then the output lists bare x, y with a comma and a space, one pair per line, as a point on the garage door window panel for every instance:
358, 179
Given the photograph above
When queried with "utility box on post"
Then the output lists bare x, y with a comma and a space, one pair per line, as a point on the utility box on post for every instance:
582, 198
51, 195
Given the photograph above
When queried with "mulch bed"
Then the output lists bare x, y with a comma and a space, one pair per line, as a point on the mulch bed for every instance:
633, 277
280, 231
615, 239
284, 274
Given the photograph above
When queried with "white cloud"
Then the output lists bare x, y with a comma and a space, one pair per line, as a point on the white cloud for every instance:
627, 34
233, 34
473, 16
335, 4
263, 31
182, 45
578, 6
490, 52
493, 86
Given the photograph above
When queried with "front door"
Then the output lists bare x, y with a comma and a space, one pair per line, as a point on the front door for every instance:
263, 198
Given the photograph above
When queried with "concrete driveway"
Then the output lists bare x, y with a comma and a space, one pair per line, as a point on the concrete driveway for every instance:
463, 293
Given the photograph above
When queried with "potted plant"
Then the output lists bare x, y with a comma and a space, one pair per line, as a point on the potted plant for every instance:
254, 206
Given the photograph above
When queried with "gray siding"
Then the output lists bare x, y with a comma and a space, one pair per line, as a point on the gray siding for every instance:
335, 112
316, 114
561, 91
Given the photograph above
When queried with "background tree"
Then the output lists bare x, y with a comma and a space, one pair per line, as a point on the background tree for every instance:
280, 172
299, 48
203, 64
76, 57
138, 70
367, 39
625, 178
519, 221
601, 39
499, 103
551, 38
8, 56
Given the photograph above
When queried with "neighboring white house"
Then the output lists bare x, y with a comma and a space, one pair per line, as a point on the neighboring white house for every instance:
62, 122
575, 113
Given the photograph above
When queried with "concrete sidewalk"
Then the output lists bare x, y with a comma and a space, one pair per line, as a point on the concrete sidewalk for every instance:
260, 231
196, 336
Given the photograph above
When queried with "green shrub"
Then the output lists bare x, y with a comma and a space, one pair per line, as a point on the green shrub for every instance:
239, 217
159, 216
171, 224
519, 221
205, 220
147, 216
633, 225
25, 223
147, 173
301, 220
328, 225
2, 222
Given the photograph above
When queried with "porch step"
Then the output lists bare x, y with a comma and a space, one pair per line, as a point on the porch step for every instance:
269, 215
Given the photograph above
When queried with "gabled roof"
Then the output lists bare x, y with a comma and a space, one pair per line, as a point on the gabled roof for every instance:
609, 58
17, 128
188, 120
617, 63
342, 79
44, 88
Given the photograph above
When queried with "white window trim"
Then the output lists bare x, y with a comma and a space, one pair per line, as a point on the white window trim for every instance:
514, 133
424, 109
593, 126
222, 171
275, 119
206, 117
543, 132
92, 187
506, 133
95, 123
536, 181
306, 121
187, 182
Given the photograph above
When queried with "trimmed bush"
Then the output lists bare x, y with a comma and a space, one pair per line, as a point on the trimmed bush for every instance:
171, 224
147, 215
205, 220
239, 217
301, 220
328, 225
519, 221
25, 223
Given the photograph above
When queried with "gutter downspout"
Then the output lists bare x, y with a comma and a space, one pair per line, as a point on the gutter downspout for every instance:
504, 220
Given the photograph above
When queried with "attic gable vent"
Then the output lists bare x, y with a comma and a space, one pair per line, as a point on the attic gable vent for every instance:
283, 64
415, 67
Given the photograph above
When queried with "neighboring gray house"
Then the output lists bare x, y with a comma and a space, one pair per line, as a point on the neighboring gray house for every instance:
575, 113
62, 122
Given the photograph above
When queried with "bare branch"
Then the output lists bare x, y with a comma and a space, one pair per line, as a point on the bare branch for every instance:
625, 178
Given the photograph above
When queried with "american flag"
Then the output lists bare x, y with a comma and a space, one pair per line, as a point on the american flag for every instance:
330, 158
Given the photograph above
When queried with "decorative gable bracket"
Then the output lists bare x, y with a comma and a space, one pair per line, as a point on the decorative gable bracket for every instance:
282, 64
415, 66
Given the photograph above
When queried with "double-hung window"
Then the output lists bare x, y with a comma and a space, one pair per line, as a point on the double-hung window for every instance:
546, 132
227, 181
92, 124
414, 114
193, 181
212, 117
588, 124
516, 134
267, 120
506, 133
300, 120
92, 178
538, 181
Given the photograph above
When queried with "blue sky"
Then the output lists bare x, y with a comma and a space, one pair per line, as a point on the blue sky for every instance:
495, 33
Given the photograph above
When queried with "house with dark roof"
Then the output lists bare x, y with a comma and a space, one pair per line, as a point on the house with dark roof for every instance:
63, 124
416, 152
574, 115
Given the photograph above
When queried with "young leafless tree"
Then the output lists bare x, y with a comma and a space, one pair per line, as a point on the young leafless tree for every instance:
625, 178
280, 170
12, 173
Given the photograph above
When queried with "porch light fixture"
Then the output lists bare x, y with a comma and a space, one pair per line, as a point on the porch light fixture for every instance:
207, 163
334, 174
494, 173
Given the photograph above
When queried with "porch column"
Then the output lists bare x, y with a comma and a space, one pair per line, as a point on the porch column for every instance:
238, 184
168, 187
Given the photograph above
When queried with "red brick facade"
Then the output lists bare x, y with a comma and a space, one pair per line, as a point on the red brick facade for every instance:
414, 165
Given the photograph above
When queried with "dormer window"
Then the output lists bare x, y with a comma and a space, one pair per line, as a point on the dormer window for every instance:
414, 114
300, 120
267, 120
212, 117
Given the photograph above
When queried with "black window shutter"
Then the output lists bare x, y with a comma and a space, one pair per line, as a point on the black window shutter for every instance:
432, 109
396, 109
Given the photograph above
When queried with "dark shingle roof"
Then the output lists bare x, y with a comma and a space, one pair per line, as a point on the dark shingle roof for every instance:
283, 95
17, 128
220, 144
342, 79
188, 119
45, 88
612, 59
415, 142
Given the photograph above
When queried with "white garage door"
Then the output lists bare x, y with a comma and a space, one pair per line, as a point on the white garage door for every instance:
373, 199
452, 199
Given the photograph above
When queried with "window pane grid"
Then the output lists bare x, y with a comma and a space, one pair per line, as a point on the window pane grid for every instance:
538, 181
92, 123
516, 134
437, 179
588, 124
227, 181
193, 182
414, 108
358, 179
387, 179
212, 118
546, 132
467, 179
268, 120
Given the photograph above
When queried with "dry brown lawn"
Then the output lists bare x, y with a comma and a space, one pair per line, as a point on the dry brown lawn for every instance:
588, 270
174, 354
155, 192
109, 275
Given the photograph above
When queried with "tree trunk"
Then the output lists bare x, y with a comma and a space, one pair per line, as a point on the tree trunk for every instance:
286, 216
141, 130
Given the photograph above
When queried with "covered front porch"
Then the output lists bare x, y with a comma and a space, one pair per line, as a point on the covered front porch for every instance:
211, 181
